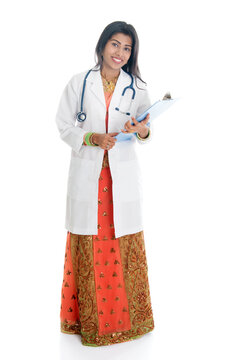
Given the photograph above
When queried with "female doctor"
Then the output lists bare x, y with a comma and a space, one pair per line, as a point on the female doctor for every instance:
105, 291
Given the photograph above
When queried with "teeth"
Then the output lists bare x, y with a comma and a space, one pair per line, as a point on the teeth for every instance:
117, 60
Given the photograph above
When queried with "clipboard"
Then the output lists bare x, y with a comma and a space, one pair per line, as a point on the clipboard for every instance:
155, 110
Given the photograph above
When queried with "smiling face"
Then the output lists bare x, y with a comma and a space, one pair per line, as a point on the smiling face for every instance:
116, 53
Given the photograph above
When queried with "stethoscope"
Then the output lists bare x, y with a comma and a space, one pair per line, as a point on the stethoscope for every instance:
81, 115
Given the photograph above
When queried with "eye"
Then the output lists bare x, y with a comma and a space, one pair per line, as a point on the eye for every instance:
128, 49
114, 44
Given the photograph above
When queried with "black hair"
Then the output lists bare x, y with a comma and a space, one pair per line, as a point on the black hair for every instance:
127, 29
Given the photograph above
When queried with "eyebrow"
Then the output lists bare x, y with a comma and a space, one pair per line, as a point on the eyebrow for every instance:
120, 43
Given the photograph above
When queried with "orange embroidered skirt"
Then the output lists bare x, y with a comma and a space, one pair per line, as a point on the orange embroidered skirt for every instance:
105, 294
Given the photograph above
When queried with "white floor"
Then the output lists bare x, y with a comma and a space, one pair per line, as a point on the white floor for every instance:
71, 348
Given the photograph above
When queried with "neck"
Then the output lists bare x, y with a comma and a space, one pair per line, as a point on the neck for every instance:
109, 73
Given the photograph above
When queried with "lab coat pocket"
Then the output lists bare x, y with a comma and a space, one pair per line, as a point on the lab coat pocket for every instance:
128, 187
81, 179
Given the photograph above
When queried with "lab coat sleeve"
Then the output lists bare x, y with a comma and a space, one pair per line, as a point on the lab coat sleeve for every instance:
66, 117
145, 103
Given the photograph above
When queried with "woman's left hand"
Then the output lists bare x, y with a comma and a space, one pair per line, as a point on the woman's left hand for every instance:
140, 127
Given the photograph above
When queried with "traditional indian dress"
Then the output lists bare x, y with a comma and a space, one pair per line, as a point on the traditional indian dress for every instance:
105, 294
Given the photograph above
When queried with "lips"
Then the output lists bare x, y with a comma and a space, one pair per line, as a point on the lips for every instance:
116, 60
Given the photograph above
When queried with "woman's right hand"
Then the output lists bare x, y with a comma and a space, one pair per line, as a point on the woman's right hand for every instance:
105, 141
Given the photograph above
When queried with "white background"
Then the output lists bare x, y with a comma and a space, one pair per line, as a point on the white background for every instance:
190, 173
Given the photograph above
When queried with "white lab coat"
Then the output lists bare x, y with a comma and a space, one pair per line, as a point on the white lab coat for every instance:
86, 161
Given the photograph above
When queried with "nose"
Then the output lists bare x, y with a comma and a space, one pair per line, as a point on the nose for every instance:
119, 52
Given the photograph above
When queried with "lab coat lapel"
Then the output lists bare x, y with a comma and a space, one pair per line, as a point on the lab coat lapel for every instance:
97, 86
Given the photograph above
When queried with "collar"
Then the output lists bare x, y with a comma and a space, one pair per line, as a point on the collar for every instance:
95, 81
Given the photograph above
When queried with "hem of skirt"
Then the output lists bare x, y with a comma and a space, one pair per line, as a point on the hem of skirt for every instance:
68, 332
70, 328
108, 339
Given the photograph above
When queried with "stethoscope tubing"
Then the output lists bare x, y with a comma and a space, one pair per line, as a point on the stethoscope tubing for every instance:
81, 116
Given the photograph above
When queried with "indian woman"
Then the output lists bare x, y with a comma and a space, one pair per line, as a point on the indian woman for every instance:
105, 295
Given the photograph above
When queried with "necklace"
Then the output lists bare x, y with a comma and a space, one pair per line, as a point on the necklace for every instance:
109, 85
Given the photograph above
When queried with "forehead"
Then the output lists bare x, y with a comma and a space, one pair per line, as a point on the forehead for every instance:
122, 38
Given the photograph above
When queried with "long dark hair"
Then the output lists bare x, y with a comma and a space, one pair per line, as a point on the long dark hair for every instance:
127, 29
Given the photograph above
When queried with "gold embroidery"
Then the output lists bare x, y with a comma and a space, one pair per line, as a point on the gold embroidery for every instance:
69, 328
132, 251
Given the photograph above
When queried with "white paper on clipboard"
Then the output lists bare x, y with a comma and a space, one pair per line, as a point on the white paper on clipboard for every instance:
155, 110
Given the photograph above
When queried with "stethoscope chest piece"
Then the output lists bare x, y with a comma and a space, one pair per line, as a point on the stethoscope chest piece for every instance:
81, 116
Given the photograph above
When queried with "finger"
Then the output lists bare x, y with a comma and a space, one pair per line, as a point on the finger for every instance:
126, 127
147, 118
129, 125
128, 132
145, 121
132, 127
112, 140
134, 120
